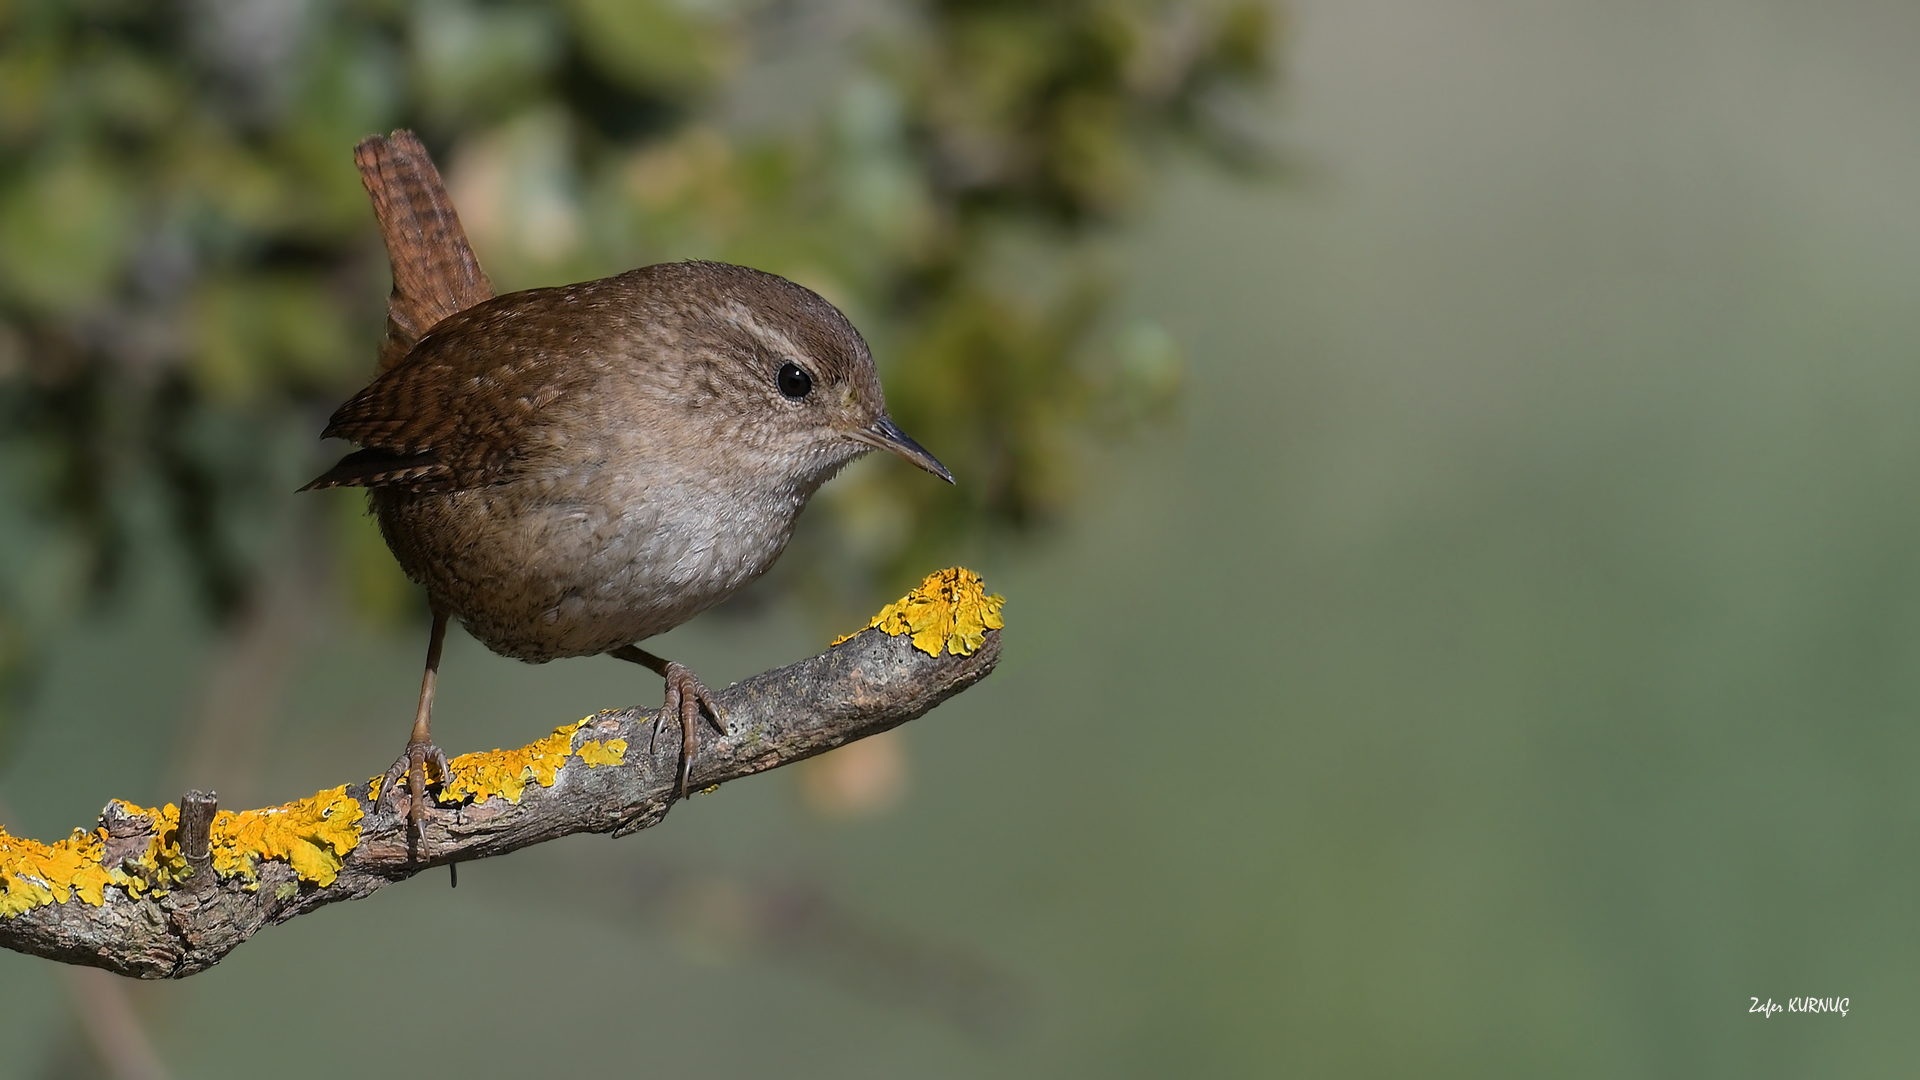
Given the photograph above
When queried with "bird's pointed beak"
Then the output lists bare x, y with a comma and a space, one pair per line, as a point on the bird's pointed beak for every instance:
884, 434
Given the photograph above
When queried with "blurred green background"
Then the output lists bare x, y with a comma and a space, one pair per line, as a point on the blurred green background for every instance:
1491, 651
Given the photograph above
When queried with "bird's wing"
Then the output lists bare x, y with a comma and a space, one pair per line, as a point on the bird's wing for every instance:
435, 273
466, 407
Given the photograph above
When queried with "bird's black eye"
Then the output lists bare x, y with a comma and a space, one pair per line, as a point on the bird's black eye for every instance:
794, 382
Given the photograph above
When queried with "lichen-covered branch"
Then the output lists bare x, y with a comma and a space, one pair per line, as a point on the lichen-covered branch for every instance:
131, 897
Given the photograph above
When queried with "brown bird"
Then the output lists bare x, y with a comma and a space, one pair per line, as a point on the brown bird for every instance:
572, 470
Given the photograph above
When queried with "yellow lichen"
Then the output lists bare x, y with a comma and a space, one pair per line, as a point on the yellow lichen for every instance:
611, 752
161, 866
33, 874
951, 608
313, 835
507, 773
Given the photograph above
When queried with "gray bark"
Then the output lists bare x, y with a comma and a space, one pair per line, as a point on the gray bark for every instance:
858, 688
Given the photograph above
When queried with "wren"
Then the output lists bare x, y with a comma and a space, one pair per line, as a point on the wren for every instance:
569, 471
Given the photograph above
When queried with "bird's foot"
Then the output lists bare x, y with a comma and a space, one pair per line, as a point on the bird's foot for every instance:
420, 760
687, 696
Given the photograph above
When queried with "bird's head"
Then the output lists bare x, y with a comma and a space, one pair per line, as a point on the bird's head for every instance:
779, 372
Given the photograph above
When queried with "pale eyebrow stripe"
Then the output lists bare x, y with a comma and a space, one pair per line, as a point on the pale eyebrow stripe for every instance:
772, 337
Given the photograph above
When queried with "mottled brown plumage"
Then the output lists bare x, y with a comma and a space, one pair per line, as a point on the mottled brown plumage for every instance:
574, 469
569, 471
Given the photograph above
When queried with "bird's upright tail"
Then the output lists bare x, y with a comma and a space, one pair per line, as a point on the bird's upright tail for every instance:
435, 273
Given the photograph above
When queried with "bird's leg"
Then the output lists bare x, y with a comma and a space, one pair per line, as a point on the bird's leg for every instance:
686, 696
421, 754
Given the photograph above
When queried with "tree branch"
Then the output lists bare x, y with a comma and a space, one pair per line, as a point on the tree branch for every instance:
180, 925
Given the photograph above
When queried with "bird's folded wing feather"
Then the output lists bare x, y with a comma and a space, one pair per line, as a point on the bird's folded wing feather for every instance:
464, 408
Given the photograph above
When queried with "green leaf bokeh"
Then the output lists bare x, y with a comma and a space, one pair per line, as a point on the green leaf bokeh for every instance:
190, 278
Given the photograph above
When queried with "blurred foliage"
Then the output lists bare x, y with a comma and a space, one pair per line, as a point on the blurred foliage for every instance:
190, 278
